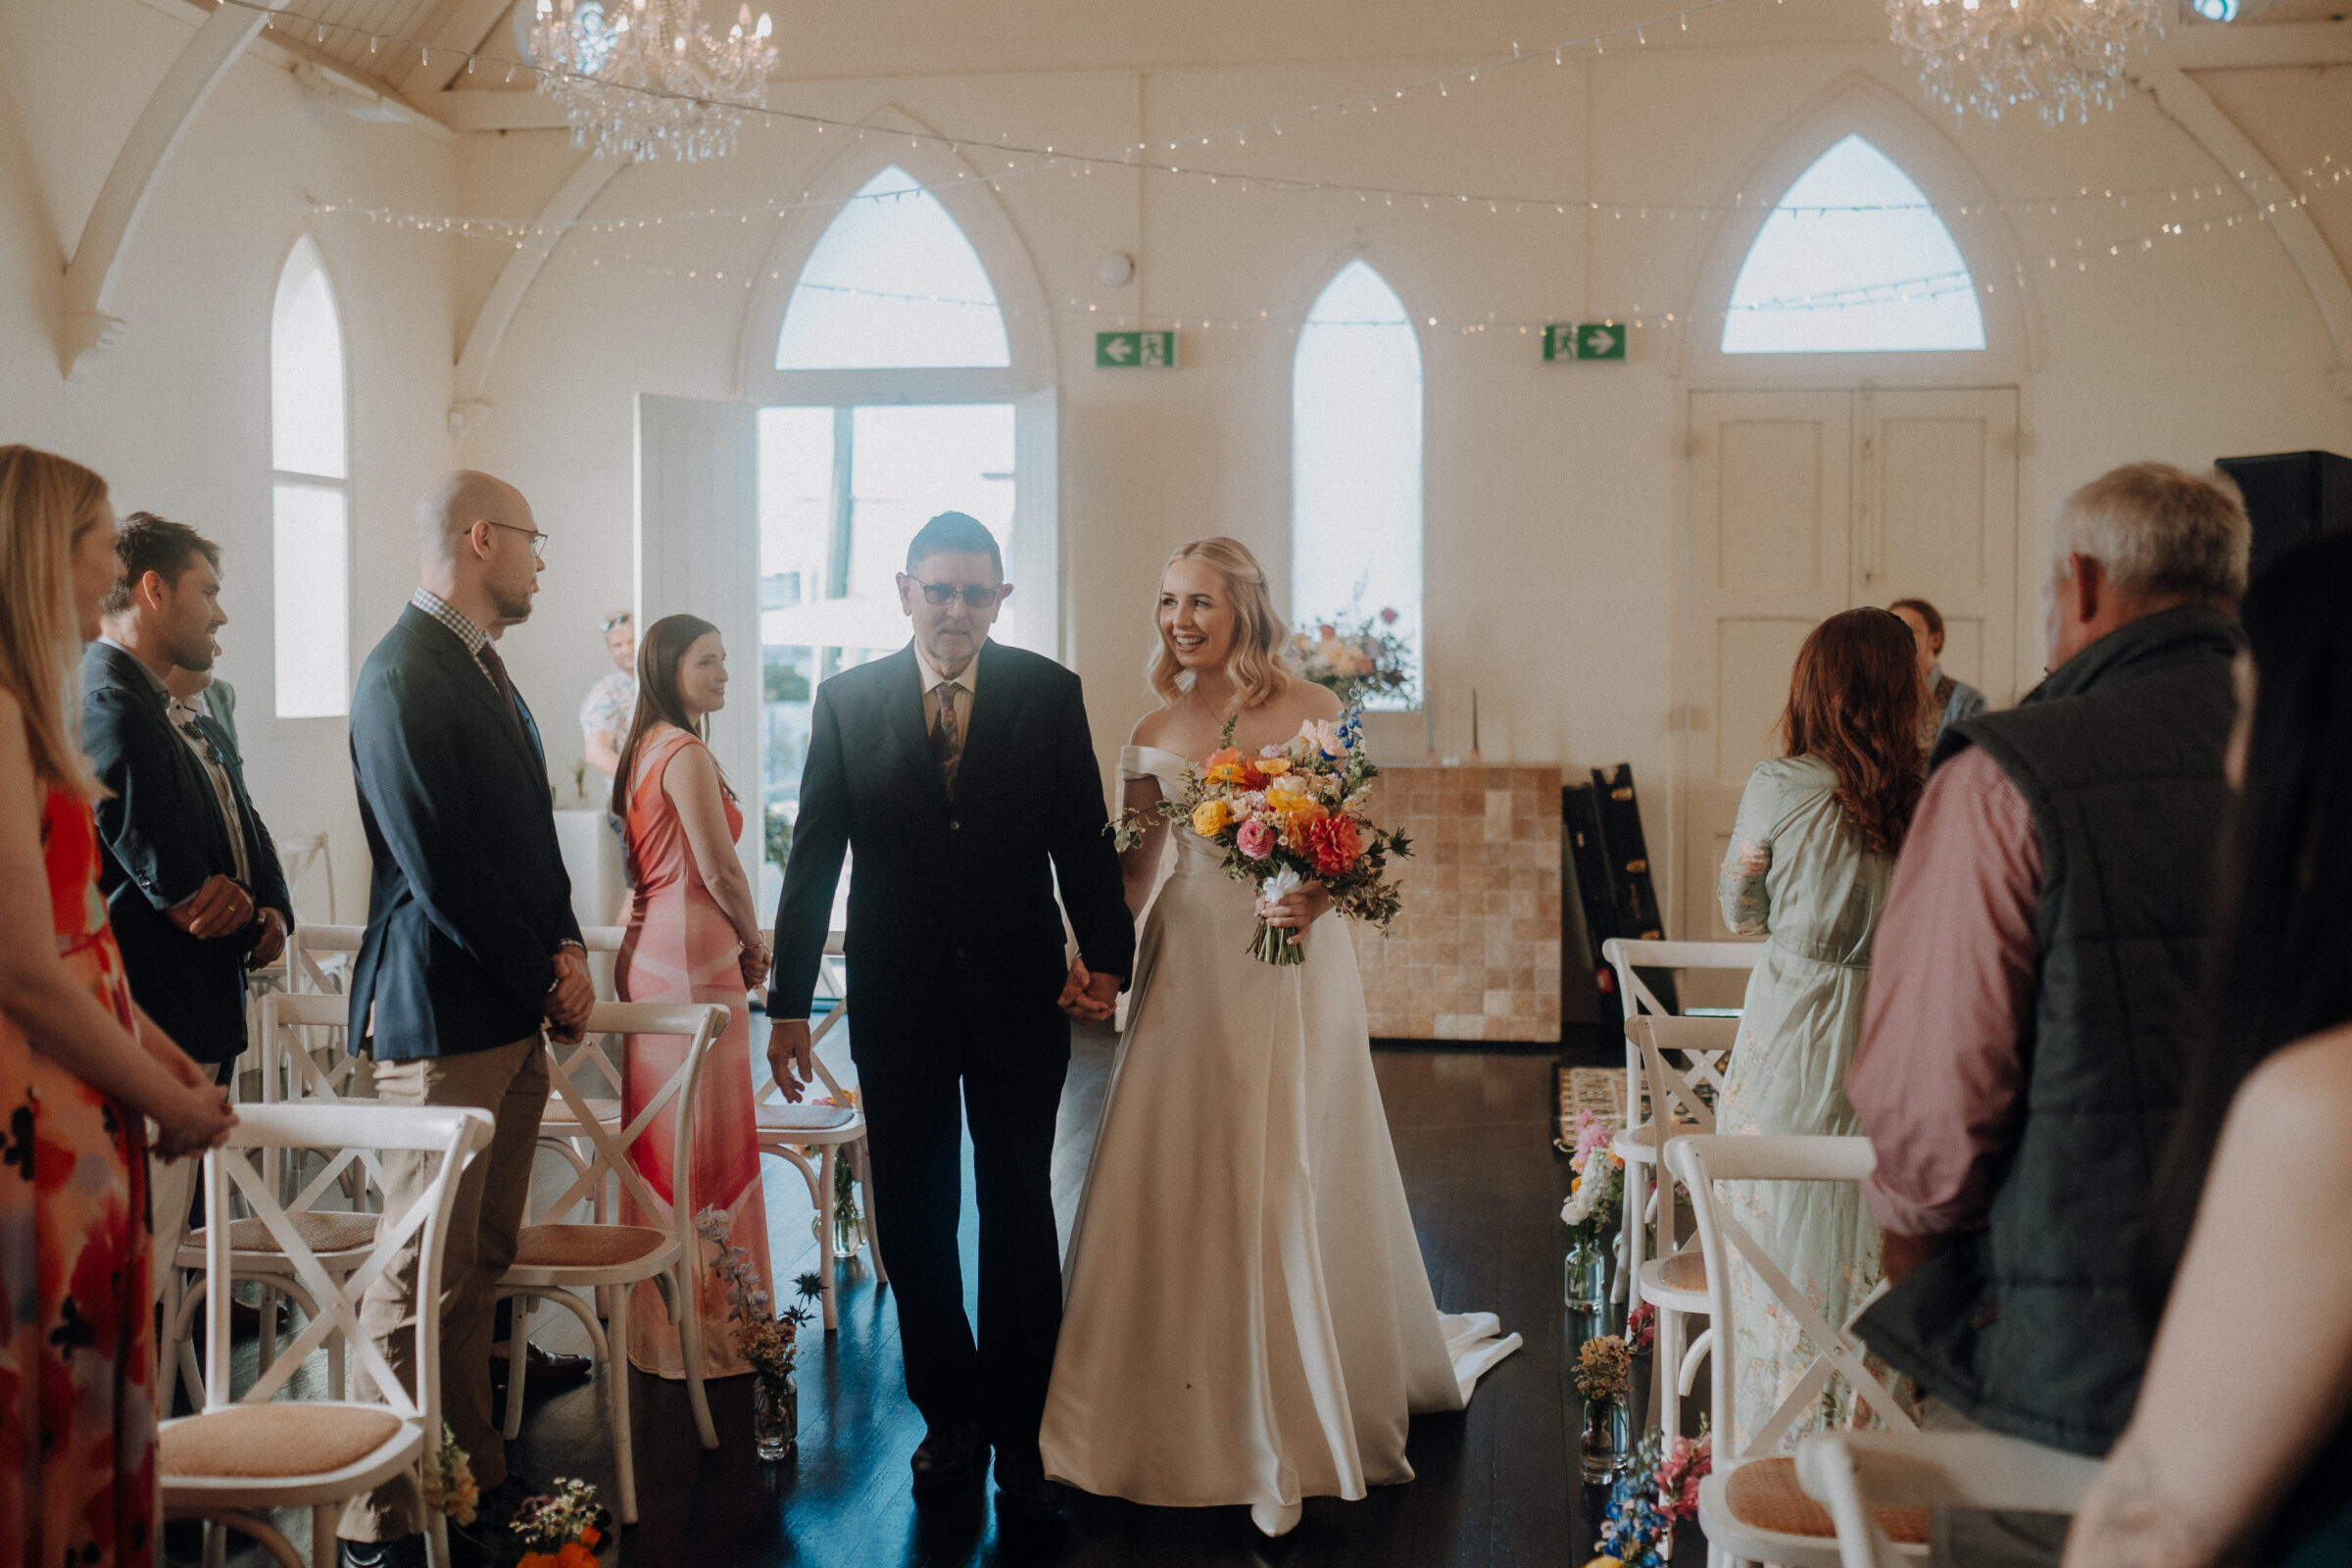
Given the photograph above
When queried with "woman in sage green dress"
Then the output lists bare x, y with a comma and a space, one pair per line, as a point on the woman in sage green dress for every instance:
1809, 863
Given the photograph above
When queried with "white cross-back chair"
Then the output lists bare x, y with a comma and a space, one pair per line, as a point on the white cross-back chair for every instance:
566, 1263
837, 1131
1752, 1507
339, 1238
1678, 1055
1636, 1143
244, 1455
1856, 1473
306, 951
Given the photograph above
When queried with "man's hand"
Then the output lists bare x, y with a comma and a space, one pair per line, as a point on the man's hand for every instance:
1086, 995
791, 1055
271, 943
1905, 1253
218, 908
569, 998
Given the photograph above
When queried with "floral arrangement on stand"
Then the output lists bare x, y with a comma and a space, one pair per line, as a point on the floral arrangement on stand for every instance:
769, 1340
1358, 657
1641, 1329
1289, 815
1659, 1490
1605, 1376
558, 1530
849, 1225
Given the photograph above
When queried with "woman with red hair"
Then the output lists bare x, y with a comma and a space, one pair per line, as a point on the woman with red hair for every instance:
1809, 864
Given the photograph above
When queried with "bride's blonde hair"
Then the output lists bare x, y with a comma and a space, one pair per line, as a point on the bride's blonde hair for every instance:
1254, 660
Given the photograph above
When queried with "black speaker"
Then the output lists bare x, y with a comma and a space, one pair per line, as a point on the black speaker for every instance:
2291, 497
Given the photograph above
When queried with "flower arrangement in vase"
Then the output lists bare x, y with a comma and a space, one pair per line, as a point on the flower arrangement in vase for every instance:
1358, 657
1659, 1490
1605, 1376
1596, 1193
769, 1340
559, 1530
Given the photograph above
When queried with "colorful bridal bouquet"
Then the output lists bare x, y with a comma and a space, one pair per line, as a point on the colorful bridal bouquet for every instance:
1659, 1490
558, 1530
1599, 1186
1359, 657
1290, 815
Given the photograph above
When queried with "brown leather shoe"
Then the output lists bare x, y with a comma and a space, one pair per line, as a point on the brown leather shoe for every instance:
542, 1370
950, 1458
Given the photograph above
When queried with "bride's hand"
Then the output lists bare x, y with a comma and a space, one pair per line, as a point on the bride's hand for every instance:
1298, 908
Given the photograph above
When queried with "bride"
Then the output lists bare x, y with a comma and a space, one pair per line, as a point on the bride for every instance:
1248, 1316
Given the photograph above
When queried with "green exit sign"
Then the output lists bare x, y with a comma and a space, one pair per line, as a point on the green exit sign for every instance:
1130, 350
1585, 340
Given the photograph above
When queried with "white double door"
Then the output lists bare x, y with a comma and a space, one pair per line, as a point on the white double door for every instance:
1803, 504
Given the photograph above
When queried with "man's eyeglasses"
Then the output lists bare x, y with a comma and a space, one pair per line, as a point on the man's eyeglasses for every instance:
942, 594
614, 622
538, 540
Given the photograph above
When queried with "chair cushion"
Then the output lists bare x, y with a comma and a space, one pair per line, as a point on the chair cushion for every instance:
320, 1230
1764, 1494
585, 1246
282, 1438
1636, 1143
1686, 1270
777, 1117
560, 1113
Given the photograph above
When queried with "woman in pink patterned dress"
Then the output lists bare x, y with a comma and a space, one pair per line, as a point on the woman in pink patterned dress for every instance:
82, 1069
694, 936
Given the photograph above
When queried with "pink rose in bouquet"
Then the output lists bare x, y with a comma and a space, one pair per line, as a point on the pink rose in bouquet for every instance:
1255, 839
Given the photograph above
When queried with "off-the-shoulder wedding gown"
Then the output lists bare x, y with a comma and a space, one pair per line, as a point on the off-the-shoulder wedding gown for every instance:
1248, 1318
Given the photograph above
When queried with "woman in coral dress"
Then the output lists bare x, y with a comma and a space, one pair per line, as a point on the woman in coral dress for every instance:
694, 936
81, 1070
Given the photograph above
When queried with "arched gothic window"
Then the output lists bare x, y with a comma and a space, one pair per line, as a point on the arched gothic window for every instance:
310, 512
1355, 457
1853, 260
892, 284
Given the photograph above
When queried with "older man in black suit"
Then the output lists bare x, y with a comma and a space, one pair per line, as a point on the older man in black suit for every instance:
962, 776
192, 881
471, 947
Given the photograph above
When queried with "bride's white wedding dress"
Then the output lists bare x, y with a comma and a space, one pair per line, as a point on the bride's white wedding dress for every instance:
1247, 1317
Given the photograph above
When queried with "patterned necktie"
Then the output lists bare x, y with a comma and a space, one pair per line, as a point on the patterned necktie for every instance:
496, 667
947, 741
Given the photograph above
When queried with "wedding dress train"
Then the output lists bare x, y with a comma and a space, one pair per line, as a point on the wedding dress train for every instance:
1248, 1316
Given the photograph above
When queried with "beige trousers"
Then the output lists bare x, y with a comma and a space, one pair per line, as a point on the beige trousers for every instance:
510, 1083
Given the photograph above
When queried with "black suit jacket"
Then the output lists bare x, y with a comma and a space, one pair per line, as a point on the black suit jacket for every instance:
162, 837
952, 905
468, 900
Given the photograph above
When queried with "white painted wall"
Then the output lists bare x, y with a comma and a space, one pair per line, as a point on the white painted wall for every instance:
1555, 493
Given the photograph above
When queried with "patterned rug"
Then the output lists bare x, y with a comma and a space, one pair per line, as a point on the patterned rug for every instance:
1599, 1089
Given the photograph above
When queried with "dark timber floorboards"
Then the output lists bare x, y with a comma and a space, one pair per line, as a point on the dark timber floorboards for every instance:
1496, 1485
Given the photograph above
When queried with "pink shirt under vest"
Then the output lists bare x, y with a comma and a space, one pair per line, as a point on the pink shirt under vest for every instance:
1940, 1075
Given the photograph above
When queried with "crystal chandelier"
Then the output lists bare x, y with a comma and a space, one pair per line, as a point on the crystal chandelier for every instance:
2061, 55
646, 78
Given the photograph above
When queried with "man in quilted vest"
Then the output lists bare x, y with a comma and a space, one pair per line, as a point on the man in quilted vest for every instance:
2033, 991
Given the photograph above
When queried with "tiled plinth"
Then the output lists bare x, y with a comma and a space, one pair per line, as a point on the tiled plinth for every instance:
1476, 953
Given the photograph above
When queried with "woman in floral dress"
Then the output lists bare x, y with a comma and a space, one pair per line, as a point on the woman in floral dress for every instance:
82, 1069
1809, 864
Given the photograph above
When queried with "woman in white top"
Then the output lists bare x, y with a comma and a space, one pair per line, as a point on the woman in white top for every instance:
1249, 1319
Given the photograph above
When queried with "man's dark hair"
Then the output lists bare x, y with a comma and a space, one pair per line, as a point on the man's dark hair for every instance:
149, 543
958, 531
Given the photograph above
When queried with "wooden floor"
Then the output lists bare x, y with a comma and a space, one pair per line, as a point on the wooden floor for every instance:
1496, 1485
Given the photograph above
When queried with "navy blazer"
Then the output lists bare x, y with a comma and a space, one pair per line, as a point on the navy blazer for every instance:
952, 905
468, 900
161, 838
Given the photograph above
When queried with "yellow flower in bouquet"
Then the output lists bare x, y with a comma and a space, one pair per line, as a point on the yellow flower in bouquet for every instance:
1211, 816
